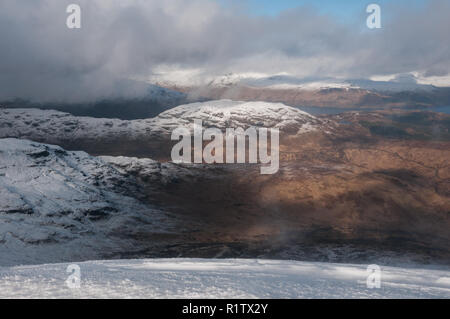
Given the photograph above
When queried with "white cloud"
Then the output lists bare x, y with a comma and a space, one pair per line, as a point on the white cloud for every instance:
43, 60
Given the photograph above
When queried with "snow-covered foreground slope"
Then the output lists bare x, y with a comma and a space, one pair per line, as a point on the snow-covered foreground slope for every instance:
209, 278
56, 127
58, 205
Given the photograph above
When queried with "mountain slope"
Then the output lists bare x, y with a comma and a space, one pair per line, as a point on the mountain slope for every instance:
402, 91
220, 114
58, 205
226, 113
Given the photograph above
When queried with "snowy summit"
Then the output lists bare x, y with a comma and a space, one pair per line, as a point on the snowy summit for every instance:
54, 126
226, 113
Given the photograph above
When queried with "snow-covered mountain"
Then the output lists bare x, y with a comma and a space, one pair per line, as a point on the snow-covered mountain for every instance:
226, 113
399, 84
403, 82
281, 82
401, 90
53, 126
212, 278
58, 205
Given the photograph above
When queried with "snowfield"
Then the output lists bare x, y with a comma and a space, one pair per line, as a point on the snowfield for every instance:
209, 278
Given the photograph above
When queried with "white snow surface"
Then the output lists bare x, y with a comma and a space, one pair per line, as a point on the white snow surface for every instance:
54, 126
58, 205
228, 278
226, 113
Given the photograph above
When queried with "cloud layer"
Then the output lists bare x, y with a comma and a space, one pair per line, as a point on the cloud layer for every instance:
41, 59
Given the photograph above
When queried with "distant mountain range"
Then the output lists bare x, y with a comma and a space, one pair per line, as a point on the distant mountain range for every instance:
162, 95
402, 91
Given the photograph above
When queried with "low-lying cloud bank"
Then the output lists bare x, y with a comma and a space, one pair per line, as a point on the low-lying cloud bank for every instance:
42, 60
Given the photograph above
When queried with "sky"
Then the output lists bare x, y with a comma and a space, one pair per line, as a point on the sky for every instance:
41, 59
342, 9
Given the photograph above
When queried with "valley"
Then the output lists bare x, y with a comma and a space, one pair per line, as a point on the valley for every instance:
348, 192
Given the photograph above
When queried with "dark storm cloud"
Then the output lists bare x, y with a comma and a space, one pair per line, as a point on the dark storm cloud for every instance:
41, 59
